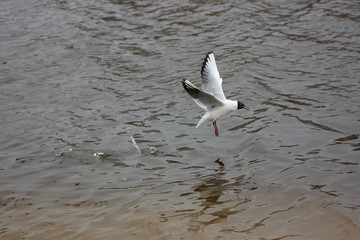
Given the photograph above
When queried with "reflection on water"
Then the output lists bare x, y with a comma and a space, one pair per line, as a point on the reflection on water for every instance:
98, 138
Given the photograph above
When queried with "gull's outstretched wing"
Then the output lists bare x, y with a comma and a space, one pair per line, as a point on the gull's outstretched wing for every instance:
205, 100
211, 80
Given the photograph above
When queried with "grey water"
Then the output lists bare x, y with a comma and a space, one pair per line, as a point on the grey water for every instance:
98, 138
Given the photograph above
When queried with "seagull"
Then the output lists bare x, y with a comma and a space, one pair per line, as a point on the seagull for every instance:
211, 97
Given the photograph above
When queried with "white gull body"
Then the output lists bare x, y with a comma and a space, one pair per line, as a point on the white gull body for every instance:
211, 97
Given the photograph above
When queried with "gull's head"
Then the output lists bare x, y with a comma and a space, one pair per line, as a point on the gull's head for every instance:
242, 106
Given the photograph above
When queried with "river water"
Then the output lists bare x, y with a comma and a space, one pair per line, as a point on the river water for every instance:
98, 138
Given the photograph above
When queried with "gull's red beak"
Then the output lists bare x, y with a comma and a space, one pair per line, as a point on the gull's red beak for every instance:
246, 107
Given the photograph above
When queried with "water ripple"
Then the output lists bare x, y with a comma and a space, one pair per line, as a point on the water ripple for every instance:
98, 135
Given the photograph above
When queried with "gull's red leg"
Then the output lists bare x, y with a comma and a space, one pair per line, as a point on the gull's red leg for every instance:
216, 129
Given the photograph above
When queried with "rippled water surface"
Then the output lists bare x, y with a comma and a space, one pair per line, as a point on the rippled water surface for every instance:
98, 138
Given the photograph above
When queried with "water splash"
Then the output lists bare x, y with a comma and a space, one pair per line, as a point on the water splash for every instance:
133, 141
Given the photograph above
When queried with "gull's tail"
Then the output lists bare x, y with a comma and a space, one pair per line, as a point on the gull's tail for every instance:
203, 119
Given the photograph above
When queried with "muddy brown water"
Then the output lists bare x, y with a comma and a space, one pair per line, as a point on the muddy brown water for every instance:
98, 138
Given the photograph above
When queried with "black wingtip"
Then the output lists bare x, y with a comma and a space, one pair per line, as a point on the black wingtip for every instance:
205, 61
183, 83
192, 91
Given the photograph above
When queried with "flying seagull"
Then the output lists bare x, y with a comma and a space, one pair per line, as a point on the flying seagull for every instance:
211, 97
